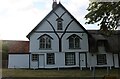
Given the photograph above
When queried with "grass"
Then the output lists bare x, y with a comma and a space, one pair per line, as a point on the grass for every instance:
56, 73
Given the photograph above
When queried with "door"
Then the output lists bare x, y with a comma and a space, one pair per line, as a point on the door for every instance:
41, 61
116, 60
82, 59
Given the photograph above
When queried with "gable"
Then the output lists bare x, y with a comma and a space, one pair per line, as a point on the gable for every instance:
49, 23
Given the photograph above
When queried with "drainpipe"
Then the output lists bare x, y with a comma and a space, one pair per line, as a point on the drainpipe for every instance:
118, 54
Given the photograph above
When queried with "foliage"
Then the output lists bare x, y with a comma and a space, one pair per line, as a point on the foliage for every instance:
106, 14
4, 51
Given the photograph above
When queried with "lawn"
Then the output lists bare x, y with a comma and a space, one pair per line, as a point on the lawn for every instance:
56, 73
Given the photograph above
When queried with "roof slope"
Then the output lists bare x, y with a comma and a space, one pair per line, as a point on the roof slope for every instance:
112, 43
58, 5
17, 46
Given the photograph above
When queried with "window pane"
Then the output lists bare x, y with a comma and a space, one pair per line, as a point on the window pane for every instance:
50, 58
45, 42
42, 42
74, 42
35, 57
59, 23
71, 43
48, 43
77, 42
101, 59
70, 58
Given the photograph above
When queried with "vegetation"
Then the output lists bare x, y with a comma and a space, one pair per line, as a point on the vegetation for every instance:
4, 51
56, 73
106, 14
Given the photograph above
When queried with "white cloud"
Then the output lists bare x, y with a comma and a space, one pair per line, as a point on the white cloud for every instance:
19, 17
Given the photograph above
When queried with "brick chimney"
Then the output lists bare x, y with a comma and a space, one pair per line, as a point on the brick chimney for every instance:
54, 4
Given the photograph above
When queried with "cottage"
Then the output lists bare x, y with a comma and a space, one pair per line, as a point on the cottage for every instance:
60, 41
104, 50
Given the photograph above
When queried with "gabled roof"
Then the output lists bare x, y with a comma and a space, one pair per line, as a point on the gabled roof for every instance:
17, 46
58, 5
112, 43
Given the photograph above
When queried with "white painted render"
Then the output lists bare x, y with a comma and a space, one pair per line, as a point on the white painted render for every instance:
92, 62
45, 26
59, 61
18, 61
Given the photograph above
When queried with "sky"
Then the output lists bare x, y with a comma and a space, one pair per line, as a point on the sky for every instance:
19, 17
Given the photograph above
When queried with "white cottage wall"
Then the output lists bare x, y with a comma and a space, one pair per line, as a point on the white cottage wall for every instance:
59, 61
83, 43
18, 61
93, 59
67, 30
116, 60
34, 43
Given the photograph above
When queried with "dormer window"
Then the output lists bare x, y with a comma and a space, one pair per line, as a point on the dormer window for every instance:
59, 24
74, 42
45, 42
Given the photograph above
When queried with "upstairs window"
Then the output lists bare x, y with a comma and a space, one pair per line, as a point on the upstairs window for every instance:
74, 42
45, 42
101, 43
59, 24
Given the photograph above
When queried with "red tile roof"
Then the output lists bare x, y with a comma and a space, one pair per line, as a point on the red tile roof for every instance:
18, 46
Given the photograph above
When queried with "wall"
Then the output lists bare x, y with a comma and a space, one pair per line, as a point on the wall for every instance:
93, 58
59, 61
45, 28
18, 61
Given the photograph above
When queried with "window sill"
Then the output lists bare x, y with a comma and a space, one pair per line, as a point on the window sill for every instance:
74, 48
34, 60
45, 48
70, 64
101, 64
50, 64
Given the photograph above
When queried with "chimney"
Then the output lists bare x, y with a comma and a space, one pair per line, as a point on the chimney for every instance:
54, 4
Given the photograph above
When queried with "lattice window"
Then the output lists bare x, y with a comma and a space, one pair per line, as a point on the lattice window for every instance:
50, 58
101, 59
70, 58
35, 57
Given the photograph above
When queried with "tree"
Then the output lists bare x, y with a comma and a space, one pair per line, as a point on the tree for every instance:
106, 14
4, 51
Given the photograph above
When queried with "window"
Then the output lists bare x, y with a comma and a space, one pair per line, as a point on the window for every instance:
35, 57
50, 58
59, 23
74, 42
101, 43
101, 59
45, 42
70, 58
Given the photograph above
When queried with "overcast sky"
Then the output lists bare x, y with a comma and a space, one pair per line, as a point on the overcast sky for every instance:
19, 17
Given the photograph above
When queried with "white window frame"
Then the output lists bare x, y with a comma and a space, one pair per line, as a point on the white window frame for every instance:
101, 59
70, 58
45, 42
50, 58
35, 57
74, 42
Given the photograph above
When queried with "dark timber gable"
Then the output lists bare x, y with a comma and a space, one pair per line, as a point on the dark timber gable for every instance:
53, 11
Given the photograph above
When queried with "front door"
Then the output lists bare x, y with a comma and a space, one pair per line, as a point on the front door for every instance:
116, 60
41, 61
82, 59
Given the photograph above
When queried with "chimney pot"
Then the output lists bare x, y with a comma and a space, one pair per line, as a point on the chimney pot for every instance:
54, 4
